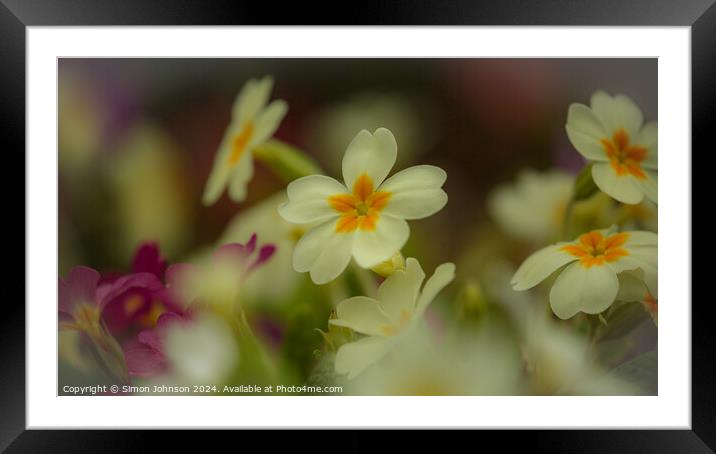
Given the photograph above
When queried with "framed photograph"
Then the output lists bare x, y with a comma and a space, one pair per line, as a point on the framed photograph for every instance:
409, 224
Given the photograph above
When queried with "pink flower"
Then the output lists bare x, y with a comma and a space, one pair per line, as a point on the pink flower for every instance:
135, 301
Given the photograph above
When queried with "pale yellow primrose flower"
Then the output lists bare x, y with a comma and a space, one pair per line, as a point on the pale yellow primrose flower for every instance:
613, 135
367, 221
533, 207
587, 279
399, 305
252, 123
482, 363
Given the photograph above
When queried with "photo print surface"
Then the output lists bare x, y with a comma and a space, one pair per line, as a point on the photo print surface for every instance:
357, 227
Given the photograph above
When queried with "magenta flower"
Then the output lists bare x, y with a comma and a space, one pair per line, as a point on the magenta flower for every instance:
83, 305
135, 301
148, 259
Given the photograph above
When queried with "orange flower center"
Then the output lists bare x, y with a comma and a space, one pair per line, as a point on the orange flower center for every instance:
624, 158
594, 249
239, 143
359, 210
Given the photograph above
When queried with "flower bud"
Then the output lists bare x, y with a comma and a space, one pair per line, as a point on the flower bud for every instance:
388, 267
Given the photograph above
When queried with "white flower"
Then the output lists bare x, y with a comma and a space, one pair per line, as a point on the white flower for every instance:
613, 135
486, 362
400, 303
366, 222
559, 363
201, 351
252, 123
558, 360
533, 207
588, 267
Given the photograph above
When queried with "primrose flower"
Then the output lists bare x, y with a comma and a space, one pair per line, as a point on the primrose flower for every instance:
82, 302
367, 221
485, 363
533, 207
137, 300
81, 307
252, 123
612, 134
400, 304
219, 280
588, 267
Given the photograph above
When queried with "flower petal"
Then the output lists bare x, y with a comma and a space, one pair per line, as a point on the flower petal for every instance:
649, 185
147, 258
252, 98
267, 121
631, 286
373, 154
324, 252
143, 360
617, 112
623, 188
415, 192
374, 246
308, 199
80, 287
355, 357
538, 266
399, 292
579, 288
585, 131
649, 138
641, 238
644, 258
443, 275
241, 175
361, 314
220, 173
117, 289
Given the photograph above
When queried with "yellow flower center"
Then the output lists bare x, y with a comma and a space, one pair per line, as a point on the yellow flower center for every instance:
86, 318
239, 143
395, 328
359, 210
133, 304
624, 158
595, 249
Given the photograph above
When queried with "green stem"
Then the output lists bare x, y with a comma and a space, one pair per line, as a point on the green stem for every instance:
286, 161
248, 334
567, 218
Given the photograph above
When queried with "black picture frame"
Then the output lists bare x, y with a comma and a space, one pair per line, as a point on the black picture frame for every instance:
16, 15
